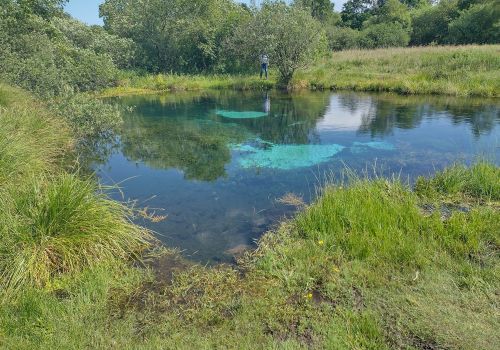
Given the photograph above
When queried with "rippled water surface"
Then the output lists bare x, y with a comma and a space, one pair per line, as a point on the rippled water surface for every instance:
214, 164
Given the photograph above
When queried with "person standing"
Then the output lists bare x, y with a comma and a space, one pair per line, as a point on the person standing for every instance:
264, 64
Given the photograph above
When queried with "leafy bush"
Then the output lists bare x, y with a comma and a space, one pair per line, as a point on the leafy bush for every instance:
430, 23
97, 40
480, 24
37, 55
343, 38
88, 117
384, 35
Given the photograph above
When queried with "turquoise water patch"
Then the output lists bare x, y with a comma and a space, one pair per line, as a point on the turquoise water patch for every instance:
241, 115
358, 147
286, 157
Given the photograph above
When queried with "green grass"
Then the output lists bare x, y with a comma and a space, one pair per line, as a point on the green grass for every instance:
53, 222
445, 70
62, 225
480, 181
132, 84
364, 267
441, 70
374, 264
31, 142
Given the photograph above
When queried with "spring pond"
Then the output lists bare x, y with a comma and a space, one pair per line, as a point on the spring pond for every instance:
216, 163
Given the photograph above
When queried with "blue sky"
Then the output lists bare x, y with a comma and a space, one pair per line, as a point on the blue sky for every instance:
88, 10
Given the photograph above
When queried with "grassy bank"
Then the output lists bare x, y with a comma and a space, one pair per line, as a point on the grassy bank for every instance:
132, 84
53, 221
443, 70
372, 265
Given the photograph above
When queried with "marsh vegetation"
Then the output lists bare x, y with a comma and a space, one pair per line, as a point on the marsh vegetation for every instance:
376, 262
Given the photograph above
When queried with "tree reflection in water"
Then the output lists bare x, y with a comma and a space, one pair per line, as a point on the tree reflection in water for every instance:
184, 131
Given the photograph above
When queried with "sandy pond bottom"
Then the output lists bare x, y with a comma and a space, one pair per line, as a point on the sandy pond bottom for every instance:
215, 163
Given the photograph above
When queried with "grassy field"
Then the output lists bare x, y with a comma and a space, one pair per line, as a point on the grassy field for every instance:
373, 264
441, 70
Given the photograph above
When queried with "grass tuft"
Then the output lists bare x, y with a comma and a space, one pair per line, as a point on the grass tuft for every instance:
62, 225
480, 181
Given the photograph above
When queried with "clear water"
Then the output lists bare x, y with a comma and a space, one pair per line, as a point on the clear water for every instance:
216, 163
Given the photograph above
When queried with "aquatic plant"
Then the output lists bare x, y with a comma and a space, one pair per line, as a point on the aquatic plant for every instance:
286, 157
241, 115
359, 147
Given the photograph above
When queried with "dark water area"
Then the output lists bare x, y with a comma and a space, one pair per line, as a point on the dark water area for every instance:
216, 163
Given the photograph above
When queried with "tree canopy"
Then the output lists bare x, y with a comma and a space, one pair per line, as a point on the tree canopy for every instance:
46, 51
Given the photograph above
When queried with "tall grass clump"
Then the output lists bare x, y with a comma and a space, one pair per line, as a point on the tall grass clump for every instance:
375, 220
31, 140
480, 181
62, 225
52, 222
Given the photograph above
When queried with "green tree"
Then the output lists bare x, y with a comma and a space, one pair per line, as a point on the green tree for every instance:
174, 35
430, 23
289, 34
43, 8
389, 26
355, 12
98, 40
390, 34
391, 11
343, 38
479, 23
322, 10
37, 55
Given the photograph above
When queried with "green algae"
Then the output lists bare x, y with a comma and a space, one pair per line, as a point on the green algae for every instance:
286, 157
241, 115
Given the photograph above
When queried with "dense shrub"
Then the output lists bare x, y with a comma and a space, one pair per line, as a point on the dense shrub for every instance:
384, 35
343, 38
430, 23
479, 24
88, 117
96, 39
36, 54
